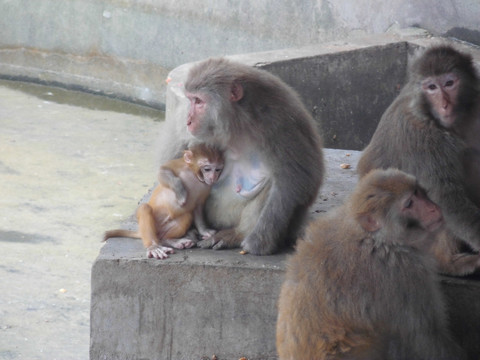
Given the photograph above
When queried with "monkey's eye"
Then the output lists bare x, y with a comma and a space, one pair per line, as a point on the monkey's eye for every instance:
207, 169
449, 83
432, 87
218, 170
408, 204
197, 101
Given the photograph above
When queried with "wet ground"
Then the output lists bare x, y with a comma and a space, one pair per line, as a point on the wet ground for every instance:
72, 165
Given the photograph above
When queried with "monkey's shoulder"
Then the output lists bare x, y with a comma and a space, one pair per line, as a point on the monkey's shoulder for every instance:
174, 164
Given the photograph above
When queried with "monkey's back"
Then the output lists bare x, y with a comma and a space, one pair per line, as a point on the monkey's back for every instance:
340, 298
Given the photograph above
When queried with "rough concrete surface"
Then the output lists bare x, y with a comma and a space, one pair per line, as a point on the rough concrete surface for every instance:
71, 166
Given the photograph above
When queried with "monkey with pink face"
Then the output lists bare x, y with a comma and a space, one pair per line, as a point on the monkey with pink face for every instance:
432, 130
274, 162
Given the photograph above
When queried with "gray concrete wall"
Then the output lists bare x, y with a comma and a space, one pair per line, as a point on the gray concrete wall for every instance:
126, 47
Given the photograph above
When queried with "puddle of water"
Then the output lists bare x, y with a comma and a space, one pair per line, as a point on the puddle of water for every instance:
72, 165
82, 99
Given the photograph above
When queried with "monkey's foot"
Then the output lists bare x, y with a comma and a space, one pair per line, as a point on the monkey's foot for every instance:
257, 245
207, 243
224, 239
183, 243
159, 252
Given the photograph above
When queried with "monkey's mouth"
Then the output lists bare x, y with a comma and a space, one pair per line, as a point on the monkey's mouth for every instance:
435, 225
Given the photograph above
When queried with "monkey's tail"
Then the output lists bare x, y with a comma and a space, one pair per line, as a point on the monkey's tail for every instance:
121, 233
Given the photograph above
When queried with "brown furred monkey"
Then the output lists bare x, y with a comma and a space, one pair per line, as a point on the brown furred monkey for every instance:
361, 286
165, 219
432, 130
274, 161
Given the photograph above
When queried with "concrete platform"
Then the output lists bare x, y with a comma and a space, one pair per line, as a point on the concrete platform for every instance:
203, 302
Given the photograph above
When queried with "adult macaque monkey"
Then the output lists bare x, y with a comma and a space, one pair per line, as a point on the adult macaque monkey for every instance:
360, 285
166, 218
432, 130
274, 160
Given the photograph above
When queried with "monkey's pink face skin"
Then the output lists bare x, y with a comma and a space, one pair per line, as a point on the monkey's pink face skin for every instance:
442, 92
211, 173
196, 112
418, 206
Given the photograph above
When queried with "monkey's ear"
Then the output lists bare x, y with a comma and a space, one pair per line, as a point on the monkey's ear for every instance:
188, 156
369, 223
236, 92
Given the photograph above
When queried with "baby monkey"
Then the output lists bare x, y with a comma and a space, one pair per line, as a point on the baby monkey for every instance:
166, 218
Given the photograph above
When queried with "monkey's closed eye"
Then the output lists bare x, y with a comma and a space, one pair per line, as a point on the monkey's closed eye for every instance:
408, 204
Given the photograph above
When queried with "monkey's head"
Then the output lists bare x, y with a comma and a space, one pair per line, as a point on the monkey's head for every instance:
392, 201
212, 88
205, 161
447, 82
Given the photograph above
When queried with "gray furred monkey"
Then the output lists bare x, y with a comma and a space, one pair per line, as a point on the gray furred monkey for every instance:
432, 130
274, 160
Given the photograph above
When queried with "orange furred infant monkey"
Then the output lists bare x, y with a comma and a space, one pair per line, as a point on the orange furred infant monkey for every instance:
167, 217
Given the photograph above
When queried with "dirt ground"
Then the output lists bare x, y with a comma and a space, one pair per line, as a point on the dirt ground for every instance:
72, 165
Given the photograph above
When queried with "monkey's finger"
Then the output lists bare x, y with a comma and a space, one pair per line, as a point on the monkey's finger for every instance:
160, 252
168, 250
207, 243
189, 244
208, 233
160, 255
220, 245
164, 251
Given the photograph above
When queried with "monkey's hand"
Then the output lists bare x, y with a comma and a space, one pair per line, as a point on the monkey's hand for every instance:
159, 252
224, 239
207, 243
167, 178
207, 233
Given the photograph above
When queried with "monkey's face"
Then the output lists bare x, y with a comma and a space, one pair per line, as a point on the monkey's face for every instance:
442, 92
197, 112
417, 208
209, 171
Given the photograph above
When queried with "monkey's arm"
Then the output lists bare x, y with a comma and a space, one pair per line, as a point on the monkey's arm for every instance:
442, 176
462, 216
168, 178
291, 189
200, 224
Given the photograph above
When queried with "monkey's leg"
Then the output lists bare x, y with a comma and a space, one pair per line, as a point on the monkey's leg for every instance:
248, 212
147, 230
173, 232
